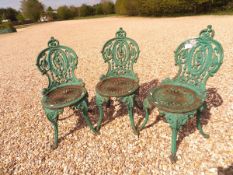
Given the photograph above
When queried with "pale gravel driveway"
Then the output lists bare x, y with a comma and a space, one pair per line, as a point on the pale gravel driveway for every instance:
26, 134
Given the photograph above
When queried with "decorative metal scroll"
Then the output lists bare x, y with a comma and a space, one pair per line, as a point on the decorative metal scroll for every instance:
199, 58
58, 63
120, 53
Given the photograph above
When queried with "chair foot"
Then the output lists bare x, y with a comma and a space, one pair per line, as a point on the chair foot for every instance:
97, 132
54, 146
173, 158
199, 126
136, 132
206, 136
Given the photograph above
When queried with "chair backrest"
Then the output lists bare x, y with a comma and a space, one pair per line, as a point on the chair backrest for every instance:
58, 63
121, 53
198, 59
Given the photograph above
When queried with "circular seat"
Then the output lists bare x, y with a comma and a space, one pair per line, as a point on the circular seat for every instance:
64, 96
116, 87
175, 99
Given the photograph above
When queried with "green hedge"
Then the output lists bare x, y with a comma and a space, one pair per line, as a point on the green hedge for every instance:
7, 27
168, 7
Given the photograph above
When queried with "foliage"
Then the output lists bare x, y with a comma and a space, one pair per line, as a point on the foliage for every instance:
64, 13
7, 27
98, 9
20, 18
86, 10
32, 9
8, 13
51, 14
167, 7
107, 7
121, 6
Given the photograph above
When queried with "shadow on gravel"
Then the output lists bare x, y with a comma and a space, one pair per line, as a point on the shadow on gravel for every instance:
225, 171
213, 100
110, 112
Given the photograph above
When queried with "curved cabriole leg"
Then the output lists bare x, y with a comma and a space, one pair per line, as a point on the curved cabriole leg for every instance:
146, 107
138, 102
129, 101
199, 127
99, 102
52, 116
175, 121
84, 108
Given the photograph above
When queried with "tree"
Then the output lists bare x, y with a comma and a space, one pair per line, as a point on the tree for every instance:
107, 7
32, 9
86, 10
63, 13
9, 13
167, 7
50, 13
133, 8
20, 18
98, 9
128, 7
120, 7
74, 11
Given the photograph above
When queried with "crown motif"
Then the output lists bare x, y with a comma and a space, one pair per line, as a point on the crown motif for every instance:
121, 33
208, 32
53, 42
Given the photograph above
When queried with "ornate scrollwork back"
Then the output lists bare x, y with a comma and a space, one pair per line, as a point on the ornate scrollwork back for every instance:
121, 53
198, 59
58, 63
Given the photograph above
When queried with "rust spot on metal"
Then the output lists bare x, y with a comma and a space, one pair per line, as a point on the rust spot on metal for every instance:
64, 95
116, 87
177, 99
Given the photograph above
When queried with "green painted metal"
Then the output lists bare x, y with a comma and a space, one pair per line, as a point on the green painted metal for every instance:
7, 27
182, 97
3, 31
120, 80
120, 53
116, 86
58, 63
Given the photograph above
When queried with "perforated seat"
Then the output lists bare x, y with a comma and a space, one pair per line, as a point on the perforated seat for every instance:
176, 99
64, 96
116, 87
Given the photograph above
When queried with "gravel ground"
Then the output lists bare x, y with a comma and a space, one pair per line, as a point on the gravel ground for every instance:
26, 134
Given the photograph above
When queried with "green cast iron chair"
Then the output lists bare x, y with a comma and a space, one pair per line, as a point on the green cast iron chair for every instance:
64, 89
120, 81
180, 98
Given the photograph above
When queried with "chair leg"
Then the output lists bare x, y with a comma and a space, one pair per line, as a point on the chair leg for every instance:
131, 117
129, 101
146, 107
199, 127
84, 108
52, 116
99, 101
173, 150
175, 121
